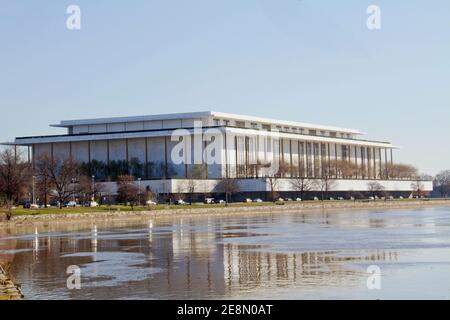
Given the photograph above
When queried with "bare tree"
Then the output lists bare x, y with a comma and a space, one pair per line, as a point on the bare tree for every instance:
194, 173
228, 186
127, 190
441, 183
150, 195
401, 171
375, 188
284, 169
60, 173
273, 175
14, 178
342, 169
325, 183
191, 188
181, 191
43, 187
89, 189
301, 185
107, 195
272, 181
418, 189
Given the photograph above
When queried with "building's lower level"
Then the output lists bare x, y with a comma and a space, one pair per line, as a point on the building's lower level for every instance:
285, 188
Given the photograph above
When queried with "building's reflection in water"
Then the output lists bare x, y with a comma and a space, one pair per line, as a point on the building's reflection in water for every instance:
250, 269
94, 239
187, 259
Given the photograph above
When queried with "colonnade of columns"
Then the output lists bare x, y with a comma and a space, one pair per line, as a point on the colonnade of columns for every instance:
297, 158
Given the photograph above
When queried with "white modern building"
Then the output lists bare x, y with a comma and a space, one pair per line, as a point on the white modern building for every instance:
164, 151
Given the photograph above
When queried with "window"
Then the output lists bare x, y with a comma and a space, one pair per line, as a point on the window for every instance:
323, 133
240, 124
333, 134
254, 125
345, 153
266, 127
313, 132
216, 122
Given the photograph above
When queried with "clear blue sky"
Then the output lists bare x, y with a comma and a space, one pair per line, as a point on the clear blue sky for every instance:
306, 60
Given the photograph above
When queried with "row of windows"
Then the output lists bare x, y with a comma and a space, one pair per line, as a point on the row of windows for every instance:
254, 125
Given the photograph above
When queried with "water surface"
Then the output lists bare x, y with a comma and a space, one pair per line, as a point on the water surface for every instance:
317, 255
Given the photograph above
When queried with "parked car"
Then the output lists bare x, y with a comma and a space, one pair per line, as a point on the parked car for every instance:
248, 200
209, 201
331, 199
150, 203
29, 205
316, 199
70, 204
371, 198
280, 200
298, 199
91, 204
258, 200
221, 202
288, 199
180, 202
54, 204
341, 198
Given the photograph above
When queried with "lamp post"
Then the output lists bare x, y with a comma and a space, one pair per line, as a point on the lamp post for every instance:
139, 192
73, 190
34, 195
93, 188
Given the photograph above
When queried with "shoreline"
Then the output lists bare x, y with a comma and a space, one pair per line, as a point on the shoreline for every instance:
8, 290
25, 220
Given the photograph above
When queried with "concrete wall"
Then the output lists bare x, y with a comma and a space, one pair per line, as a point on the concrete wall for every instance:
260, 185
360, 185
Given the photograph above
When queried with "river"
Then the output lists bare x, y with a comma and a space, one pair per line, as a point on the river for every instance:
354, 254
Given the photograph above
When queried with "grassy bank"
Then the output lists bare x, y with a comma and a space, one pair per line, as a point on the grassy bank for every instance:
48, 214
121, 208
159, 207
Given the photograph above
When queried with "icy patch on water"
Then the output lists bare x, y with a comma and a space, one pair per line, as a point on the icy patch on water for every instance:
110, 269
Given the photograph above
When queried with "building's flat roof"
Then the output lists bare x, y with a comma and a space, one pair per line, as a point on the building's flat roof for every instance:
285, 122
199, 115
27, 141
168, 116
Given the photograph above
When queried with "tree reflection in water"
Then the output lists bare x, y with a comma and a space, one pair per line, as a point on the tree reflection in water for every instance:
221, 257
